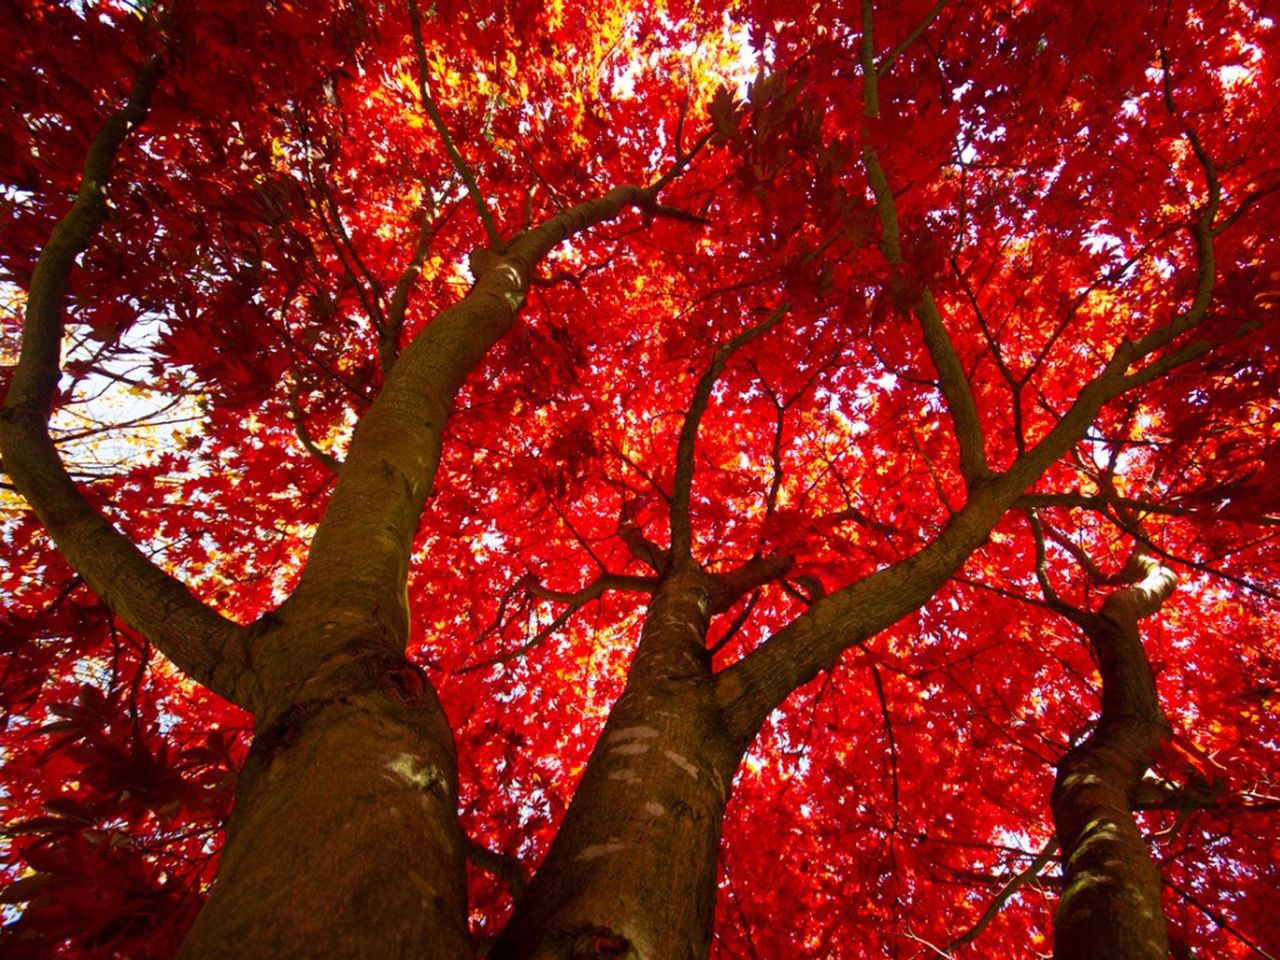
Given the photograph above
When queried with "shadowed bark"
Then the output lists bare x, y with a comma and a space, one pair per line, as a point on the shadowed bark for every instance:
1110, 907
632, 870
344, 840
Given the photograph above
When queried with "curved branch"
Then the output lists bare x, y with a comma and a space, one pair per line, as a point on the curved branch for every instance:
1016, 882
505, 866
202, 643
343, 248
328, 460
727, 587
359, 557
640, 546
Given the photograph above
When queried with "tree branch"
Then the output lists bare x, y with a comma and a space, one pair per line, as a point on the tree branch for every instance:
429, 104
1217, 918
203, 644
737, 624
504, 866
1102, 503
1051, 598
952, 379
887, 61
728, 587
681, 488
750, 688
641, 547
358, 563
575, 602
389, 337
1016, 882
359, 556
341, 241
330, 462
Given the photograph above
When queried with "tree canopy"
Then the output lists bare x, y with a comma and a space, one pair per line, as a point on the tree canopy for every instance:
897, 354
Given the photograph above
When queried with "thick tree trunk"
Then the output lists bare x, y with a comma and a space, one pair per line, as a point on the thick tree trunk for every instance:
632, 871
344, 841
1111, 905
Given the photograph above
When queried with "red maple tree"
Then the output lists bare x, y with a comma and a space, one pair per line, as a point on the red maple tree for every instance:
606, 480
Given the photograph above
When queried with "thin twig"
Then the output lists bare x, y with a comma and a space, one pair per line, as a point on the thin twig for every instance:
681, 488
1015, 883
887, 61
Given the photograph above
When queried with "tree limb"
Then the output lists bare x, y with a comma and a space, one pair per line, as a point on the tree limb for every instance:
389, 337
357, 566
429, 104
681, 488
641, 547
202, 643
750, 688
575, 602
951, 376
341, 240
328, 460
504, 866
888, 60
1016, 882
728, 587
1103, 502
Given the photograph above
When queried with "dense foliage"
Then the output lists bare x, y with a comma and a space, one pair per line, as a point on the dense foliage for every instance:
890, 249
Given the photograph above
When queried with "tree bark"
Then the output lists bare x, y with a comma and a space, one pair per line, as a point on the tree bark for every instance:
632, 870
1111, 907
344, 841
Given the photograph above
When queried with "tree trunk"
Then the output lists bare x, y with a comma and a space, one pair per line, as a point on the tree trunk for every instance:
1111, 905
632, 870
344, 841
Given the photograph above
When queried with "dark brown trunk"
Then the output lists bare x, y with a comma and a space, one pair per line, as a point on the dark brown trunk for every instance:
632, 871
1111, 904
344, 841
1110, 907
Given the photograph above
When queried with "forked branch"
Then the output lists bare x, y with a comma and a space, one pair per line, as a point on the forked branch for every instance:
952, 378
361, 549
752, 687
